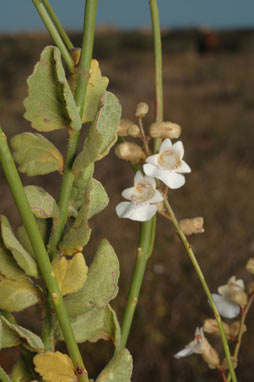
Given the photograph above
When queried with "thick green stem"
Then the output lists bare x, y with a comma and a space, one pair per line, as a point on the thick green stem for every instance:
82, 82
3, 376
42, 258
58, 25
54, 33
204, 285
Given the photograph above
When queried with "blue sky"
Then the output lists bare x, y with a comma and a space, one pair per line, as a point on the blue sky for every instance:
18, 15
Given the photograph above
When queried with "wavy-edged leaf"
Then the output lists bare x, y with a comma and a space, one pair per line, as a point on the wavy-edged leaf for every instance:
119, 369
42, 204
102, 133
55, 367
70, 274
97, 86
50, 104
101, 284
17, 295
44, 226
8, 266
22, 257
36, 155
24, 336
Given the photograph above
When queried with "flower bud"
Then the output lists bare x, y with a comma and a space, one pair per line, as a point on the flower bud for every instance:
123, 127
141, 110
239, 297
134, 131
190, 226
250, 265
131, 152
251, 287
224, 364
210, 355
235, 327
165, 129
210, 326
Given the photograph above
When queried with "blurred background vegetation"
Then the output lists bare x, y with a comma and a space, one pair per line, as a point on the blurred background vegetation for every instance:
208, 90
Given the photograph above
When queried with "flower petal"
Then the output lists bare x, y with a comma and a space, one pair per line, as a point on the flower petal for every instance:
137, 212
138, 178
184, 353
225, 307
156, 198
151, 170
150, 180
153, 159
128, 192
166, 145
184, 167
178, 147
172, 179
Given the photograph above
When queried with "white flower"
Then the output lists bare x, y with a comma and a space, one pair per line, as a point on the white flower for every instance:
168, 165
141, 196
228, 293
195, 346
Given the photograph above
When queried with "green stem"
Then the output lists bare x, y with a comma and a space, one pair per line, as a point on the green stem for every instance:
47, 333
147, 231
157, 67
54, 33
38, 246
204, 285
82, 82
3, 376
58, 25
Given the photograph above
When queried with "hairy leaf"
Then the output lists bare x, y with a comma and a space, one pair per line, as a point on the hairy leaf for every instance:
98, 198
102, 133
44, 226
79, 189
8, 266
50, 104
17, 295
70, 274
24, 336
36, 155
101, 284
55, 367
41, 202
23, 258
119, 369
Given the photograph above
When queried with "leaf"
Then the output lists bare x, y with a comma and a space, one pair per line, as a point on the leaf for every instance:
102, 133
101, 284
23, 258
93, 325
8, 266
119, 369
36, 155
43, 205
44, 226
24, 336
98, 198
55, 367
17, 295
50, 104
79, 189
96, 88
70, 274
20, 372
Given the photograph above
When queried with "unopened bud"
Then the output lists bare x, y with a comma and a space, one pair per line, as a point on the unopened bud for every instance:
239, 297
141, 110
165, 129
251, 287
250, 265
131, 152
210, 355
224, 364
134, 131
123, 127
235, 327
190, 226
210, 326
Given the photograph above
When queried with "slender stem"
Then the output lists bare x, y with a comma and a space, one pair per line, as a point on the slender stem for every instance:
3, 376
82, 82
47, 333
147, 231
241, 331
157, 67
204, 285
144, 140
38, 246
54, 33
58, 25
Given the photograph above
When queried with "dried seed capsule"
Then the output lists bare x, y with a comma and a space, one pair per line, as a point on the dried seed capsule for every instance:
165, 129
131, 152
250, 265
235, 327
190, 226
210, 355
239, 297
141, 110
210, 326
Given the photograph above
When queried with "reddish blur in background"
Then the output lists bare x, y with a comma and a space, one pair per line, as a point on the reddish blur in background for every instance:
208, 90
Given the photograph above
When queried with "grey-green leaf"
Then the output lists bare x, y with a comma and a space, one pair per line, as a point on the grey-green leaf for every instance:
79, 189
119, 369
101, 284
36, 155
8, 266
41, 202
98, 198
22, 257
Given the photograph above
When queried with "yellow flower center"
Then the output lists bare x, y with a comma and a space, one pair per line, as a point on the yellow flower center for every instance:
143, 192
169, 160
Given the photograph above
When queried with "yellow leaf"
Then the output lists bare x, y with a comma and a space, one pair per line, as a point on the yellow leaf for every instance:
55, 367
70, 274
